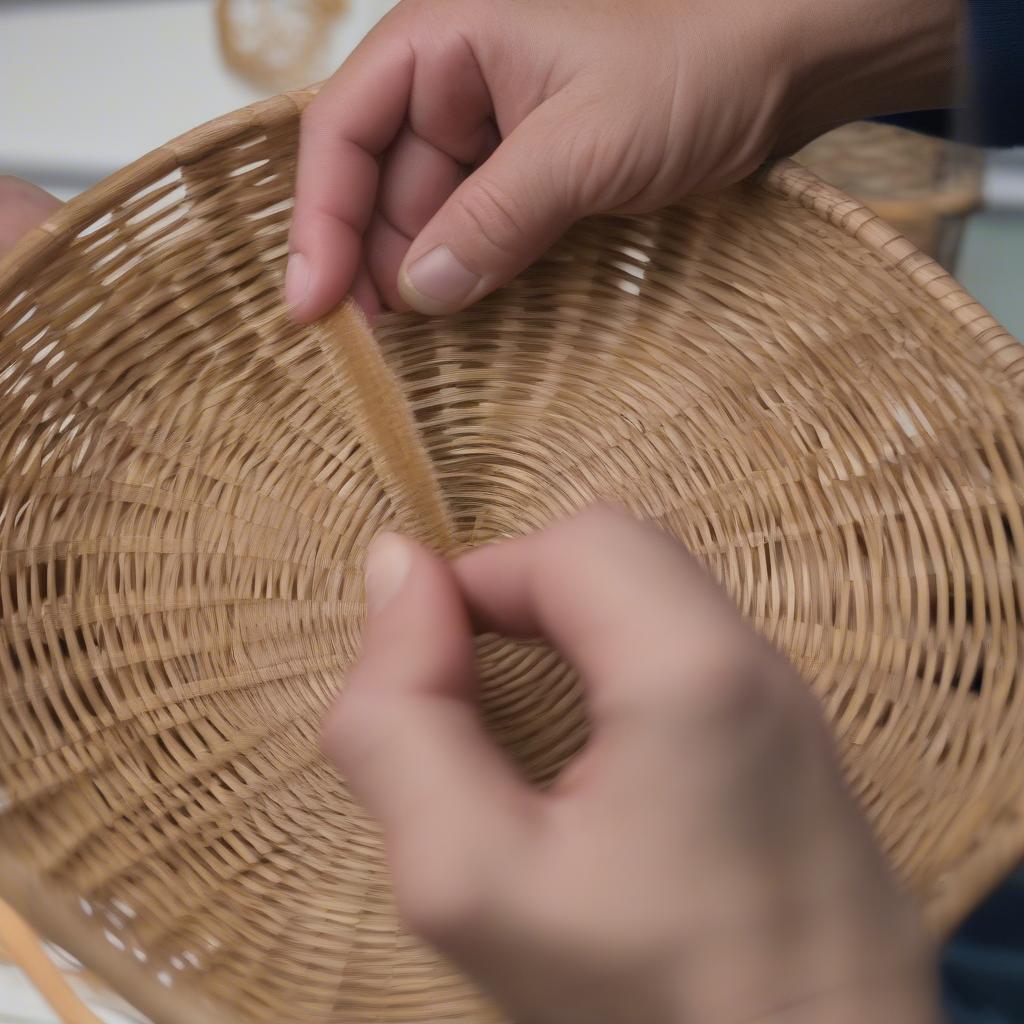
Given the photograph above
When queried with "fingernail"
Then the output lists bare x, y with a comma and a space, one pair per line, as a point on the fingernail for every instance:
387, 565
438, 282
296, 280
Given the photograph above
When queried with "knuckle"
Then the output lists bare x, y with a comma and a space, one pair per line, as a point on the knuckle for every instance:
435, 16
588, 533
492, 213
605, 517
740, 683
316, 119
724, 684
595, 169
416, 9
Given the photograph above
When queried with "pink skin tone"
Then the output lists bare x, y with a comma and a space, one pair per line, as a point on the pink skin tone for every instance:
462, 138
700, 860
23, 206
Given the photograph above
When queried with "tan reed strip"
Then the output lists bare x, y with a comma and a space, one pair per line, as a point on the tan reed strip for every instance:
189, 482
25, 950
384, 421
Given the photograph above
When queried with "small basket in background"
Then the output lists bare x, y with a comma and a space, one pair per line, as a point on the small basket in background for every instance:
925, 187
276, 44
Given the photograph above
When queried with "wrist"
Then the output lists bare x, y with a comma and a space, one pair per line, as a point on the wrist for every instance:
909, 1003
853, 59
860, 956
907, 995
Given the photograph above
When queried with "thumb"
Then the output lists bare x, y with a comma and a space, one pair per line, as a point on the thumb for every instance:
504, 216
407, 733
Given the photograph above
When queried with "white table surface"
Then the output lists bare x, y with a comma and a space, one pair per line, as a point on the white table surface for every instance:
20, 1003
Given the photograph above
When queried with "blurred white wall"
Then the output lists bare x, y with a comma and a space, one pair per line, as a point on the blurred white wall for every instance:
88, 85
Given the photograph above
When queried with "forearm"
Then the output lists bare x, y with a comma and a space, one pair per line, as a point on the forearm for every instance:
855, 59
909, 1003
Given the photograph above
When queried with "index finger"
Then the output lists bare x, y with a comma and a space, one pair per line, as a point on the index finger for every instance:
350, 123
625, 602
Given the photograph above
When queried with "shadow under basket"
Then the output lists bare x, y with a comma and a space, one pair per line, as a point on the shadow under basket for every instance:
189, 481
924, 187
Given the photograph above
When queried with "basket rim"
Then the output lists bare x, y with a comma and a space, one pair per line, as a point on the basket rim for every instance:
50, 909
785, 178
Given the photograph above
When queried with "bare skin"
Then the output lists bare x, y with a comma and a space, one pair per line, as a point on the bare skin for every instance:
462, 138
22, 207
701, 861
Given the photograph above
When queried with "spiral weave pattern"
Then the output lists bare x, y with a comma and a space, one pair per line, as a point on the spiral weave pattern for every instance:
189, 482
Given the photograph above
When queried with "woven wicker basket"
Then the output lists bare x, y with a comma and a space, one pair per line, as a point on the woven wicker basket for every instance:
189, 483
925, 187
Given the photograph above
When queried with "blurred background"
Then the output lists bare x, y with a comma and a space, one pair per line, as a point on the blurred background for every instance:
87, 86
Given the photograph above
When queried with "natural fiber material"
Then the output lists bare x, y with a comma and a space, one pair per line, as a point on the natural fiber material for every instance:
188, 484
27, 952
924, 187
275, 43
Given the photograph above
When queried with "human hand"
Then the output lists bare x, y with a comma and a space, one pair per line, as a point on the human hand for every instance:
22, 207
700, 860
567, 108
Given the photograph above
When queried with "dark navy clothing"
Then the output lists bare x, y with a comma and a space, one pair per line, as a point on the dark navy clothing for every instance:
994, 108
983, 966
996, 52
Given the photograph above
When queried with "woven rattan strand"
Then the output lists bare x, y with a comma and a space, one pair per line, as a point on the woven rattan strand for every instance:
188, 484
